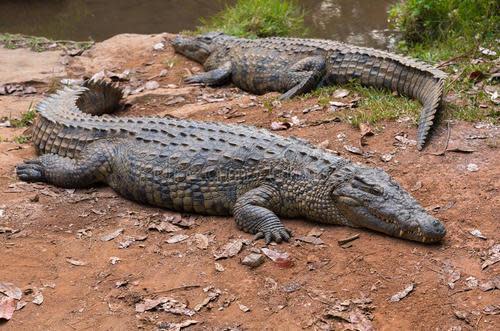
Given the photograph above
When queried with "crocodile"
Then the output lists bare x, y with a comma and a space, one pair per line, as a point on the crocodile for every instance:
295, 66
214, 169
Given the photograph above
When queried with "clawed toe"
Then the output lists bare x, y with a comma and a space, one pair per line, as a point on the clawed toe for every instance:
30, 171
192, 80
278, 236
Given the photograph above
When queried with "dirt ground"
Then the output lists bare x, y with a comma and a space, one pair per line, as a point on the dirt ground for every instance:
53, 241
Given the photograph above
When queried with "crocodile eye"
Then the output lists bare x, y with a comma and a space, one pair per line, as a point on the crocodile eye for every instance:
370, 188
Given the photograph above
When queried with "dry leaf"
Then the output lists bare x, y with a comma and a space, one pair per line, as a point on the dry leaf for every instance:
176, 239
311, 240
276, 126
11, 290
401, 295
340, 93
366, 131
112, 235
353, 149
229, 250
201, 241
7, 307
283, 260
76, 262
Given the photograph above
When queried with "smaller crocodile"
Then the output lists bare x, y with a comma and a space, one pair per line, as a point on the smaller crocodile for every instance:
295, 66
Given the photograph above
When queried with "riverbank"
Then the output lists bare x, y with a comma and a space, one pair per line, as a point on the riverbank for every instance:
94, 256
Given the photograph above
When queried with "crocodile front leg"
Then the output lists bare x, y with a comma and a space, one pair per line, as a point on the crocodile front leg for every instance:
219, 76
91, 167
253, 214
303, 76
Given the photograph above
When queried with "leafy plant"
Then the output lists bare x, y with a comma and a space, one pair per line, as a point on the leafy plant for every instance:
258, 18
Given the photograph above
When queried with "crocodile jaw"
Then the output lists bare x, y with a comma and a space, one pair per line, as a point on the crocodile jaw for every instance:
419, 226
370, 198
192, 48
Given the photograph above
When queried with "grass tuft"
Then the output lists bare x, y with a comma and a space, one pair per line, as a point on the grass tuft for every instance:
22, 139
453, 31
40, 44
375, 105
257, 19
26, 119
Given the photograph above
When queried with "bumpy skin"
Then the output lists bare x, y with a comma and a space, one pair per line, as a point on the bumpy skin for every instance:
214, 169
295, 66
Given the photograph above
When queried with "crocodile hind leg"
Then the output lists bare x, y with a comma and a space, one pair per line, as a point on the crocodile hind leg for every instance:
303, 76
218, 76
253, 213
92, 166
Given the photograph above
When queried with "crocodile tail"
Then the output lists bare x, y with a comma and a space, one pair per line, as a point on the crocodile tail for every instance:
59, 128
99, 98
398, 73
431, 97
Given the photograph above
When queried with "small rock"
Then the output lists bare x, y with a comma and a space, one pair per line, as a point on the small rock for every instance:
471, 282
152, 85
114, 260
253, 260
38, 298
163, 73
472, 167
291, 287
243, 308
159, 46
386, 157
461, 315
219, 267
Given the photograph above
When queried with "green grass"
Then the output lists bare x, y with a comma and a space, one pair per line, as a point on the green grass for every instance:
40, 44
22, 139
258, 18
437, 31
374, 106
25, 120
424, 21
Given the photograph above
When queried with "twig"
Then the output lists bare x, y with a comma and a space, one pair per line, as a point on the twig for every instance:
453, 59
347, 240
447, 142
479, 320
185, 288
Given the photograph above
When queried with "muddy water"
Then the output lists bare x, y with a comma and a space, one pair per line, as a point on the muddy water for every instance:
359, 22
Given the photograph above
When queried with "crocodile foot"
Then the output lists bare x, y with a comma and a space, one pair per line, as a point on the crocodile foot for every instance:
276, 235
31, 171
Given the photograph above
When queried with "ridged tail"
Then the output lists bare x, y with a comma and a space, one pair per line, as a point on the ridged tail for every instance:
65, 126
385, 70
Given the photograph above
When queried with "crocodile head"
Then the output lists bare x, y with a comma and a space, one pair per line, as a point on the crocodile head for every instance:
198, 48
370, 198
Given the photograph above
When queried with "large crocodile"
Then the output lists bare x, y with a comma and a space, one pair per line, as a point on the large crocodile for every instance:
214, 169
295, 66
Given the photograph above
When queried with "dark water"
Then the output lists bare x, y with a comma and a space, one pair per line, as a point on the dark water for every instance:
359, 22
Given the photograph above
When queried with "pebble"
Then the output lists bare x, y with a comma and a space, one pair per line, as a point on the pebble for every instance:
253, 260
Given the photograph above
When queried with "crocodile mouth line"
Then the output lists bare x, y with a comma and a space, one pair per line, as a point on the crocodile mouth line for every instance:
414, 234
